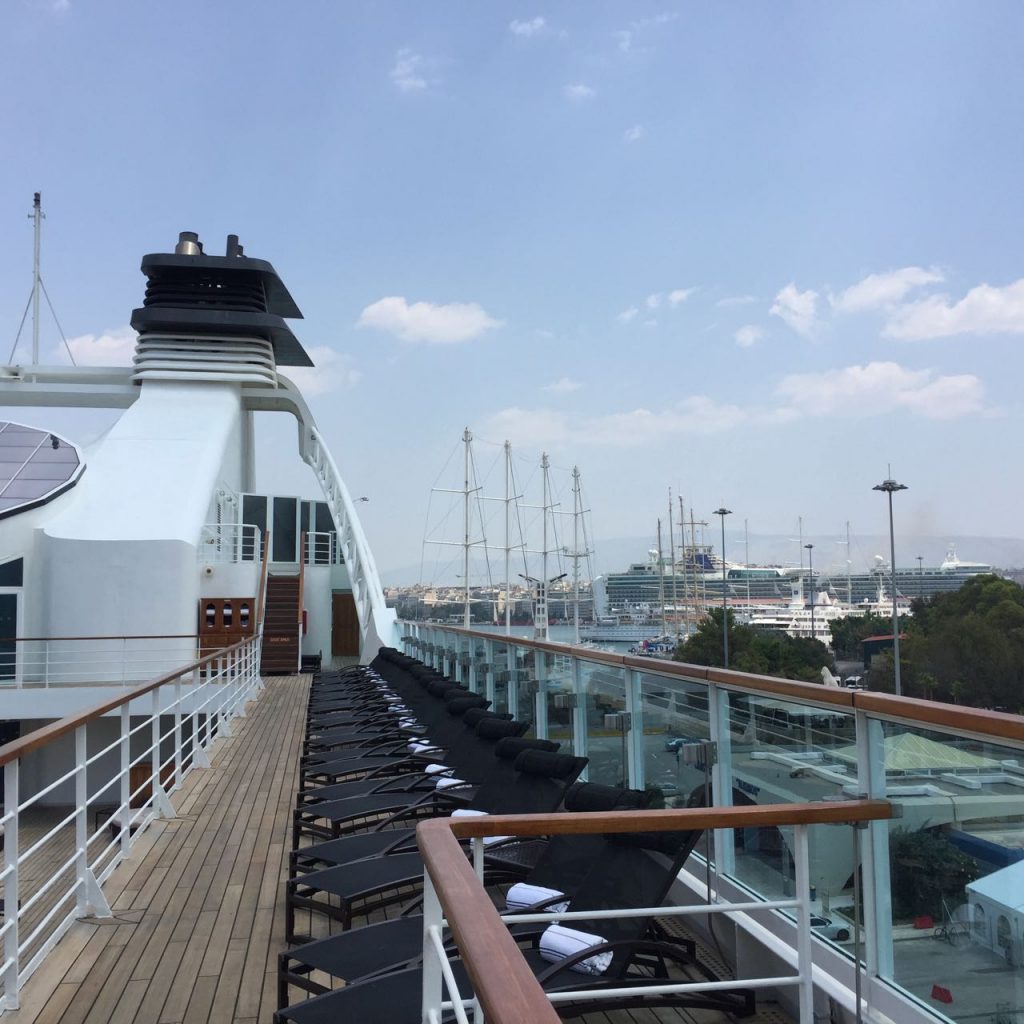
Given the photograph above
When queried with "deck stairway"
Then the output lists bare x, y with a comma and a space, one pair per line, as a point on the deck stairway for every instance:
281, 625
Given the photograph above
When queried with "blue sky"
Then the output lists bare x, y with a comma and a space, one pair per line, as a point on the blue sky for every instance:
753, 252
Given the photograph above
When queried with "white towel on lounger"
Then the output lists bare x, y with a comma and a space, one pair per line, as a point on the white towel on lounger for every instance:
523, 895
558, 942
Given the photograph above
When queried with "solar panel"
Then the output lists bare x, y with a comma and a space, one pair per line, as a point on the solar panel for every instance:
35, 466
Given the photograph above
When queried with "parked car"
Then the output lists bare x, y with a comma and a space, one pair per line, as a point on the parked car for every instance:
839, 931
673, 743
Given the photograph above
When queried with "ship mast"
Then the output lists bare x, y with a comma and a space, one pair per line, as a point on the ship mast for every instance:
508, 539
576, 554
36, 216
467, 440
672, 556
661, 581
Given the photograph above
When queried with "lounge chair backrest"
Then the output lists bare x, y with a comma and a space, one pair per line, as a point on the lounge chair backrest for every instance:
510, 747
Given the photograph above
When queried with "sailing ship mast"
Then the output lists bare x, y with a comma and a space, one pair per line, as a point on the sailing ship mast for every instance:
661, 581
672, 556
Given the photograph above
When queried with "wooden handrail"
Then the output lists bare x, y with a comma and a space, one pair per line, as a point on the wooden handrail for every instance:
995, 725
505, 986
502, 981
40, 737
261, 593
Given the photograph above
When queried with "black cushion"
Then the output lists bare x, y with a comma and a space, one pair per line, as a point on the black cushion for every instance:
463, 704
496, 728
478, 714
512, 746
592, 796
543, 762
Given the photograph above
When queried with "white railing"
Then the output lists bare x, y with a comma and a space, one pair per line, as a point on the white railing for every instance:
377, 622
49, 662
507, 993
322, 548
221, 543
125, 767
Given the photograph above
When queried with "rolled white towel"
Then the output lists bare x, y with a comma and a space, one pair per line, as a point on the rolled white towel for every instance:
407, 723
435, 769
416, 747
451, 783
522, 895
559, 942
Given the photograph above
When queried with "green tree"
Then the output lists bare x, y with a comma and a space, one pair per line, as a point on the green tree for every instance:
848, 633
926, 869
760, 651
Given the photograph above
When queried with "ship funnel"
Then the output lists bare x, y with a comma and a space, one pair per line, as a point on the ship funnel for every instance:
214, 317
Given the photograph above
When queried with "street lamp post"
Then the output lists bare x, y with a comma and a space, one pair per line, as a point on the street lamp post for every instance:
920, 576
810, 570
722, 513
890, 487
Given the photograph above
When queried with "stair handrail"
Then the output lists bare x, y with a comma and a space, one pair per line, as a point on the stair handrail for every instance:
302, 592
261, 593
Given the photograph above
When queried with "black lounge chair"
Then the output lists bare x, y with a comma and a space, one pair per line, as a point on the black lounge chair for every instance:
392, 945
635, 870
538, 785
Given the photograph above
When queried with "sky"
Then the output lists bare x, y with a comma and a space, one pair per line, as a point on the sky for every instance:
755, 253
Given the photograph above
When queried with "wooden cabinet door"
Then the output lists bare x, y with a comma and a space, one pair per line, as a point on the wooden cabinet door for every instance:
344, 625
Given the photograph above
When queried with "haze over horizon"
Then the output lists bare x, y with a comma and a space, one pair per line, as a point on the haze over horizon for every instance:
755, 253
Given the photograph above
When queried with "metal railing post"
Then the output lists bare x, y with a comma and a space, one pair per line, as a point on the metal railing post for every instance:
177, 732
11, 799
81, 821
721, 774
635, 769
156, 779
804, 957
125, 747
433, 987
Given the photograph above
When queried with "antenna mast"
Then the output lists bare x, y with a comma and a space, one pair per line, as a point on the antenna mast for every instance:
661, 581
36, 216
672, 557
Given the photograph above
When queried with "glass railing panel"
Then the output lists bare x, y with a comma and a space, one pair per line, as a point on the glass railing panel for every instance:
956, 871
603, 699
558, 699
499, 669
789, 752
526, 683
674, 712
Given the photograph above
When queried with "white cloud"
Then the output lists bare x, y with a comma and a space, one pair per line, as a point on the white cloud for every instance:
749, 334
563, 386
650, 323
626, 37
634, 134
852, 392
877, 291
526, 29
579, 92
882, 388
983, 310
61, 6
409, 72
425, 321
736, 300
698, 415
798, 309
332, 372
653, 301
112, 348
679, 295
627, 315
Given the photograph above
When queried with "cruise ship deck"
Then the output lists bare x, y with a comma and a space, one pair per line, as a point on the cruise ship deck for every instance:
198, 908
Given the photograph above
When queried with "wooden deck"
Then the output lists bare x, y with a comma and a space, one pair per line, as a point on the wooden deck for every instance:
199, 906
198, 909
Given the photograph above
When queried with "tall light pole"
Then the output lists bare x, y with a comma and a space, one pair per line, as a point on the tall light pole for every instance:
920, 576
810, 570
723, 512
890, 487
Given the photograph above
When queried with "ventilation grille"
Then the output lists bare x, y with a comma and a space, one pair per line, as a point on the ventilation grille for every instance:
211, 357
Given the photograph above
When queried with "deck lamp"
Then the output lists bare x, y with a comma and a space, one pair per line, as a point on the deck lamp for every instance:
722, 513
890, 487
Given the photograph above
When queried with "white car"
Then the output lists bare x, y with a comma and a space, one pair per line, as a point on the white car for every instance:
839, 931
